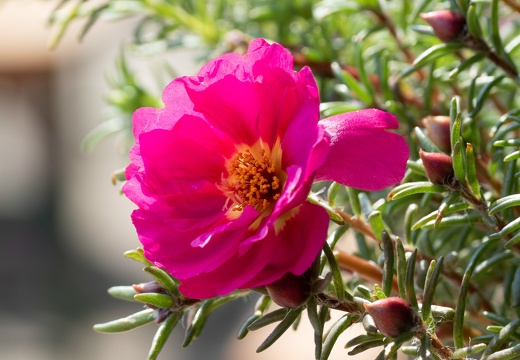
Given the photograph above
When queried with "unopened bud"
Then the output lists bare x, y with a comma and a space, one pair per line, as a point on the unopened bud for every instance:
439, 131
148, 287
291, 291
448, 25
393, 316
438, 167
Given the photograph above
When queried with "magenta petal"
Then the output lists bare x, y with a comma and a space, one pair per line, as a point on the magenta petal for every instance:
293, 249
259, 60
169, 155
363, 154
295, 246
283, 96
157, 233
232, 106
214, 248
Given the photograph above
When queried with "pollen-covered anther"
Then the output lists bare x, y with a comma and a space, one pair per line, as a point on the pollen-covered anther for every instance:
252, 181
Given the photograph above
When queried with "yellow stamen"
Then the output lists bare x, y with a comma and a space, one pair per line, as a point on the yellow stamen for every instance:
252, 181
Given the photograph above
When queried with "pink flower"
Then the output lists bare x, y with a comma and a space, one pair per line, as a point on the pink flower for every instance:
222, 172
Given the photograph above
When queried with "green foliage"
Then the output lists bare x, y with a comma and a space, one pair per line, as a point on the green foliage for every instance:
458, 263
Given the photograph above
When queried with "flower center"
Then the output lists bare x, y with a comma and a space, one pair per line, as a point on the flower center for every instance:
252, 181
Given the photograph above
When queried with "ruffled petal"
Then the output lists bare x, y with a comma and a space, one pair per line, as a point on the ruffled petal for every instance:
363, 154
185, 254
213, 248
292, 249
232, 106
263, 57
170, 155
295, 245
161, 238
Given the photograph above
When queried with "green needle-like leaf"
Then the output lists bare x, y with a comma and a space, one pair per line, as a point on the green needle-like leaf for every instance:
280, 329
376, 221
432, 278
267, 319
161, 301
337, 329
314, 198
333, 191
359, 62
419, 187
459, 162
317, 324
357, 88
468, 351
495, 33
466, 64
408, 219
504, 203
458, 321
388, 265
424, 140
448, 221
506, 230
369, 345
127, 323
471, 171
431, 55
162, 335
515, 155
361, 339
164, 279
472, 20
336, 274
354, 200
512, 242
502, 337
510, 142
401, 268
410, 287
455, 129
483, 94
506, 354
138, 255
122, 292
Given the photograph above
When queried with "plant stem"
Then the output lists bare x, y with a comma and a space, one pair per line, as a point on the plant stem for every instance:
366, 269
333, 303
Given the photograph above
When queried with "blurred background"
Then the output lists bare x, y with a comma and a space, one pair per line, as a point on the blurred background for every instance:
63, 225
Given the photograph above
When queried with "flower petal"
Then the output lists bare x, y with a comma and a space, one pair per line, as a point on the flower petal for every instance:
295, 245
293, 249
185, 254
232, 106
362, 153
169, 155
260, 59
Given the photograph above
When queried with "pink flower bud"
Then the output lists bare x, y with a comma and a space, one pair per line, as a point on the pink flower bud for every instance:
448, 25
291, 291
149, 287
439, 131
438, 167
393, 316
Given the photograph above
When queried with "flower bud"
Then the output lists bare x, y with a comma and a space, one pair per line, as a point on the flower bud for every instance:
438, 167
439, 131
291, 291
393, 316
448, 25
148, 287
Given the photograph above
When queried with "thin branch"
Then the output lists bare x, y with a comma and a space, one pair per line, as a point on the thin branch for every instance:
364, 268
